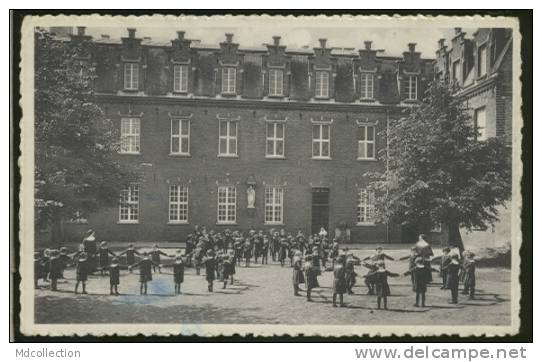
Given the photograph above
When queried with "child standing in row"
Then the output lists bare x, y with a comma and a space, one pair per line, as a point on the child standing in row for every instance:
339, 281
130, 255
114, 276
82, 270
381, 282
146, 266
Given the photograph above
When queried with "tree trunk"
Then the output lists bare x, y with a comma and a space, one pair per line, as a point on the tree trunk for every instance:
454, 236
57, 235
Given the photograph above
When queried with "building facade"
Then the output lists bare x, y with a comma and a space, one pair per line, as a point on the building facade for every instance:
250, 137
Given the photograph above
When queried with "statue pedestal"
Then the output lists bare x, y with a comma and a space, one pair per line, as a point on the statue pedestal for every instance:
251, 211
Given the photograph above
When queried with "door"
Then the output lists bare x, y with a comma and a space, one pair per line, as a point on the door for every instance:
320, 209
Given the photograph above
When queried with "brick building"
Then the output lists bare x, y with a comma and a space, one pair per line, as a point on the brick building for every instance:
249, 137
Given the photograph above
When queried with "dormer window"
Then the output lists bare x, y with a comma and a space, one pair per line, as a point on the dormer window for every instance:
322, 84
229, 80
367, 86
412, 88
482, 60
276, 77
180, 78
131, 76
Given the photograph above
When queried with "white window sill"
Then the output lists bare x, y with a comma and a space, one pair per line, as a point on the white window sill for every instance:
173, 154
129, 153
227, 156
177, 223
366, 159
127, 222
368, 223
321, 158
274, 223
226, 223
271, 157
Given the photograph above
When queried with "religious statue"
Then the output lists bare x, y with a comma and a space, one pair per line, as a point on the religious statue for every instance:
251, 197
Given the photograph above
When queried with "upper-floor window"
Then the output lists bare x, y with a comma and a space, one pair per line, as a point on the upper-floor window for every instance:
180, 136
412, 87
366, 142
482, 60
229, 80
129, 204
131, 76
227, 138
226, 208
178, 204
180, 78
274, 139
365, 206
275, 82
129, 135
480, 123
322, 84
273, 205
367, 89
321, 141
456, 70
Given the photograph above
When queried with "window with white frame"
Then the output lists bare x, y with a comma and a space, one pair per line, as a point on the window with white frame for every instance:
412, 87
178, 204
482, 60
274, 140
129, 135
180, 137
366, 86
129, 204
180, 78
366, 142
275, 82
321, 84
274, 197
226, 205
131, 76
320, 140
228, 80
227, 143
365, 206
480, 123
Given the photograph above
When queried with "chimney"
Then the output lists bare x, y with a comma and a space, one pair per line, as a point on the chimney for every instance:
368, 44
412, 47
276, 40
457, 31
131, 33
81, 30
322, 42
441, 43
105, 36
229, 37
180, 35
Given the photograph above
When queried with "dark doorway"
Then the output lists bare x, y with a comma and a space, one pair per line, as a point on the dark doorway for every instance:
320, 209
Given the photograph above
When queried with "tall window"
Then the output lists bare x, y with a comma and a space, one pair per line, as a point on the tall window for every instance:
367, 89
274, 140
322, 84
228, 80
456, 70
365, 209
412, 88
366, 142
178, 204
480, 122
180, 78
273, 205
131, 76
180, 136
129, 135
482, 60
226, 205
129, 204
320, 141
275, 82
227, 143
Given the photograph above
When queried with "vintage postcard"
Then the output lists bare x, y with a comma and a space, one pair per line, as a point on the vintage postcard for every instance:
270, 175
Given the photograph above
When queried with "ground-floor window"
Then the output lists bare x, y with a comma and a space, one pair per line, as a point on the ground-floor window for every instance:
178, 204
274, 205
226, 205
365, 206
129, 205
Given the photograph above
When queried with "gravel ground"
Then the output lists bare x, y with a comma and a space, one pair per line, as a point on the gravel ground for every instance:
263, 294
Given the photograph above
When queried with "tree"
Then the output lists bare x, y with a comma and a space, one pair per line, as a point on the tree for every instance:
76, 167
438, 172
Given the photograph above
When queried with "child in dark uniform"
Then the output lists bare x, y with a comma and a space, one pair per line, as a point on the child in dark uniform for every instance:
445, 259
339, 281
411, 264
210, 269
297, 277
382, 286
283, 251
419, 275
155, 257
114, 276
226, 266
82, 270
265, 249
370, 280
130, 255
469, 284
145, 271
311, 280
453, 277
247, 252
103, 256
55, 267
350, 272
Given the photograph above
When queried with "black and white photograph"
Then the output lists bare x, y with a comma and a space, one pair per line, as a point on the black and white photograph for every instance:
270, 175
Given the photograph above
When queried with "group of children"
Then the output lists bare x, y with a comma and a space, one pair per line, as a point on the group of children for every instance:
219, 254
